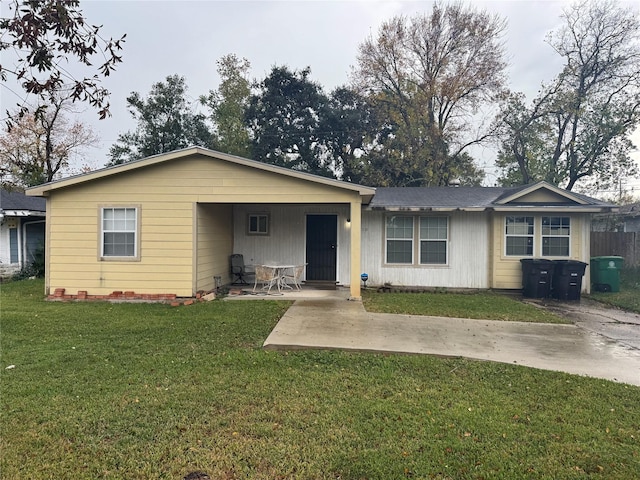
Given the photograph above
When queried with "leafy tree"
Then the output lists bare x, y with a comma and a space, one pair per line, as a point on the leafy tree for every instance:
38, 147
48, 34
284, 118
428, 76
166, 122
577, 129
345, 129
227, 105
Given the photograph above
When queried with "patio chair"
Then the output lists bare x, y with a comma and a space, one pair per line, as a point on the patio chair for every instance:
238, 269
268, 277
295, 276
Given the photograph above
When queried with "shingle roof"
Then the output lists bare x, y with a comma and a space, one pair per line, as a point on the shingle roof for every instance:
450, 197
19, 201
424, 197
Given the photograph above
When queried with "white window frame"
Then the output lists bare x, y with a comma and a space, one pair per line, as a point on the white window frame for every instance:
435, 240
135, 231
566, 236
399, 239
258, 230
531, 235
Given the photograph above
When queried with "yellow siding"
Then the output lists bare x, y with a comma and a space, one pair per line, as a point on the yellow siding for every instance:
543, 195
169, 242
215, 243
507, 271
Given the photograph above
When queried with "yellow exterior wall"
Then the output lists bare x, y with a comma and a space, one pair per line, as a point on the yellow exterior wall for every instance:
214, 244
167, 195
507, 270
542, 195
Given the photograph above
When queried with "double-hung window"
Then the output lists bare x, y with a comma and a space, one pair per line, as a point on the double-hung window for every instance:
519, 236
119, 232
400, 239
433, 240
555, 236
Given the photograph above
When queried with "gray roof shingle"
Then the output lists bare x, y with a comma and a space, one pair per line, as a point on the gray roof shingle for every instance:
449, 197
20, 201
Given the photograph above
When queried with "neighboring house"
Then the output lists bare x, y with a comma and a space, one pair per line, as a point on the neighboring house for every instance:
626, 219
22, 230
167, 224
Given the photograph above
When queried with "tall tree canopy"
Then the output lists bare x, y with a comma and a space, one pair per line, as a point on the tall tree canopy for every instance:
45, 36
38, 147
428, 75
227, 106
577, 129
345, 129
284, 118
166, 122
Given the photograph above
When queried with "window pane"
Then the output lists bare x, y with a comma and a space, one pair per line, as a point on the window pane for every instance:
399, 251
400, 227
519, 225
522, 246
433, 228
262, 224
433, 252
555, 225
119, 244
253, 224
13, 245
107, 219
555, 246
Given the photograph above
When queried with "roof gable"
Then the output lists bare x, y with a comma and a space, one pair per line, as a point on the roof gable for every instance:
540, 193
365, 192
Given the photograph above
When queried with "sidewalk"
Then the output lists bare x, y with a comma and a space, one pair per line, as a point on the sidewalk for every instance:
334, 323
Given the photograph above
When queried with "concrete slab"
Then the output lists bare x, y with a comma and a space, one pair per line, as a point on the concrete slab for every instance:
307, 293
619, 325
340, 324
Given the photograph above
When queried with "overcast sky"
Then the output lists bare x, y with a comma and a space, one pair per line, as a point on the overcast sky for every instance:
187, 37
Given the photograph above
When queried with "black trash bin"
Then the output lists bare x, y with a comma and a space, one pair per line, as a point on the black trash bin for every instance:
537, 274
567, 279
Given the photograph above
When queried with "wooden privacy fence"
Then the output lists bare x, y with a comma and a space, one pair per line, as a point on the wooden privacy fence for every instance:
623, 244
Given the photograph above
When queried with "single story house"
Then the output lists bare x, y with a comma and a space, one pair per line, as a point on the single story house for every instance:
22, 230
167, 225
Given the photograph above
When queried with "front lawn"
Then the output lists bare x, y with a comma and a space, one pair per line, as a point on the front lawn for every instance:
136, 391
482, 305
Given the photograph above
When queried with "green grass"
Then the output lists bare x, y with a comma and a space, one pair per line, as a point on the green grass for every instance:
628, 298
482, 305
131, 391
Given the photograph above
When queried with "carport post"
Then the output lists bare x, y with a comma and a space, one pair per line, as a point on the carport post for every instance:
356, 231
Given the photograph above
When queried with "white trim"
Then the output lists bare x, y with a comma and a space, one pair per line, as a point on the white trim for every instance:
136, 233
532, 236
543, 236
446, 242
412, 240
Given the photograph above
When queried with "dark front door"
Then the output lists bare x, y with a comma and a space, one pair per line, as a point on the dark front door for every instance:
322, 237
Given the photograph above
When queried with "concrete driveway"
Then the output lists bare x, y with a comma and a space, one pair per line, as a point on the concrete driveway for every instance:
336, 323
624, 327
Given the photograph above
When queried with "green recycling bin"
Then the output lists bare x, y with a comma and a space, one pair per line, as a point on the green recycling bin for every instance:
605, 273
